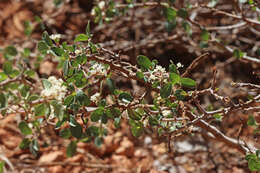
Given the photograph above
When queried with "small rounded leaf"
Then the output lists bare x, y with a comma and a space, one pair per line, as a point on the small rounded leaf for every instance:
24, 128
187, 82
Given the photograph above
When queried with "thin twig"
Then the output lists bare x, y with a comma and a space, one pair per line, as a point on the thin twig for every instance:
194, 64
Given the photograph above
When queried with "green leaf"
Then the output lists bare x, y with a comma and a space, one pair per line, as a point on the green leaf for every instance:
97, 114
93, 47
117, 121
140, 75
174, 78
203, 44
173, 68
238, 54
133, 114
29, 73
170, 14
26, 52
68, 100
28, 28
75, 128
34, 148
111, 85
136, 128
251, 2
98, 141
58, 109
180, 94
125, 97
166, 90
251, 121
258, 50
24, 90
187, 82
41, 109
170, 26
25, 144
218, 117
2, 164
204, 35
182, 13
14, 73
7, 67
11, 51
104, 118
81, 37
32, 98
65, 133
172, 1
46, 84
3, 76
88, 29
144, 62
258, 153
66, 68
24, 128
81, 97
71, 149
186, 26
253, 162
92, 131
46, 38
3, 100
59, 123
58, 51
153, 121
81, 59
57, 2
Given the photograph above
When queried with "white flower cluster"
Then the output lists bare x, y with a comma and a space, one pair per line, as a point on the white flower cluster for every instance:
98, 69
95, 98
55, 36
56, 91
12, 109
78, 51
157, 73
101, 5
179, 65
166, 112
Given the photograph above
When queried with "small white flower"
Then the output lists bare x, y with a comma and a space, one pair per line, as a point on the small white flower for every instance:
101, 4
152, 77
95, 98
166, 112
56, 91
159, 69
98, 69
179, 65
93, 12
77, 52
55, 36
30, 125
